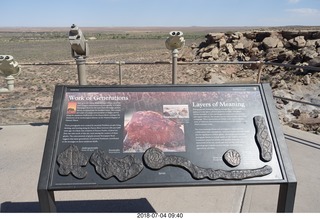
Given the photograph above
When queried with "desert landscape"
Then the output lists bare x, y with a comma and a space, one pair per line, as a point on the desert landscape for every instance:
35, 85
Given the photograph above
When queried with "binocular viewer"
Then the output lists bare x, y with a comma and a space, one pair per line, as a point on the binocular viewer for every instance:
8, 66
175, 40
79, 45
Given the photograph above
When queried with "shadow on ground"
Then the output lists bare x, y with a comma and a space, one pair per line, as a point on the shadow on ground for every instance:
103, 206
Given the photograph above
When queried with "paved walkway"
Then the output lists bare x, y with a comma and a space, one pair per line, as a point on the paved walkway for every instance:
21, 148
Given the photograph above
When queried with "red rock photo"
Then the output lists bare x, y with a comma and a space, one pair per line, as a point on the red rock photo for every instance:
150, 129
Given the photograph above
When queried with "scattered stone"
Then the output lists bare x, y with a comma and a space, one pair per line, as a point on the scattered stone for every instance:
207, 77
296, 113
286, 119
297, 126
306, 79
283, 84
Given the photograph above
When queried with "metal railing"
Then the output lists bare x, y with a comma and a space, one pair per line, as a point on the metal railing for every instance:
259, 64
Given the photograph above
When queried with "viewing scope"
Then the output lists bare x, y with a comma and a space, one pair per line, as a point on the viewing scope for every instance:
8, 66
79, 45
175, 40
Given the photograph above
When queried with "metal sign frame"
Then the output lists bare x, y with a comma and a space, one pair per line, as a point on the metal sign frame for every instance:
52, 178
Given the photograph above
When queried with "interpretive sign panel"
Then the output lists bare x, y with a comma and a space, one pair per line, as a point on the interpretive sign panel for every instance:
149, 136
104, 133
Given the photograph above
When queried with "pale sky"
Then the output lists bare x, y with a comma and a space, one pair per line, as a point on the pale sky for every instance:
139, 13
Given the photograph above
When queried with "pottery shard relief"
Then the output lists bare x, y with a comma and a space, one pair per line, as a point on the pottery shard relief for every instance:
263, 138
72, 161
232, 158
155, 159
123, 169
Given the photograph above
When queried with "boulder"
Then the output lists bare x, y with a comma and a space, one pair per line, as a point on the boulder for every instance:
298, 42
285, 56
315, 35
223, 56
298, 58
209, 48
222, 42
236, 35
315, 62
315, 43
247, 44
214, 53
250, 35
309, 53
261, 35
230, 49
273, 53
206, 55
289, 34
306, 79
297, 126
214, 37
238, 45
194, 46
271, 42
186, 54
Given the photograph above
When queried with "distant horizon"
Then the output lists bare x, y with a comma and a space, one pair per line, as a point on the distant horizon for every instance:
155, 26
151, 28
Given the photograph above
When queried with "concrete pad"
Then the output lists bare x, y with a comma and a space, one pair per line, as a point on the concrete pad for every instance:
20, 160
176, 199
260, 199
306, 163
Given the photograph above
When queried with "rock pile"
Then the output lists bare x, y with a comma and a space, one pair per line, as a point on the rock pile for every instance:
289, 47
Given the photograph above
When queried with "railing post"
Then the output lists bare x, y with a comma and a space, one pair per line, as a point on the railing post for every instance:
260, 65
81, 66
174, 65
10, 82
120, 71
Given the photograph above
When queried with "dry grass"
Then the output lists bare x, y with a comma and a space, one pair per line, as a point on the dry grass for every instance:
34, 87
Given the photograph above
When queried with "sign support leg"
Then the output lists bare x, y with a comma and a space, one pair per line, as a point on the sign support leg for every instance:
286, 198
47, 201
